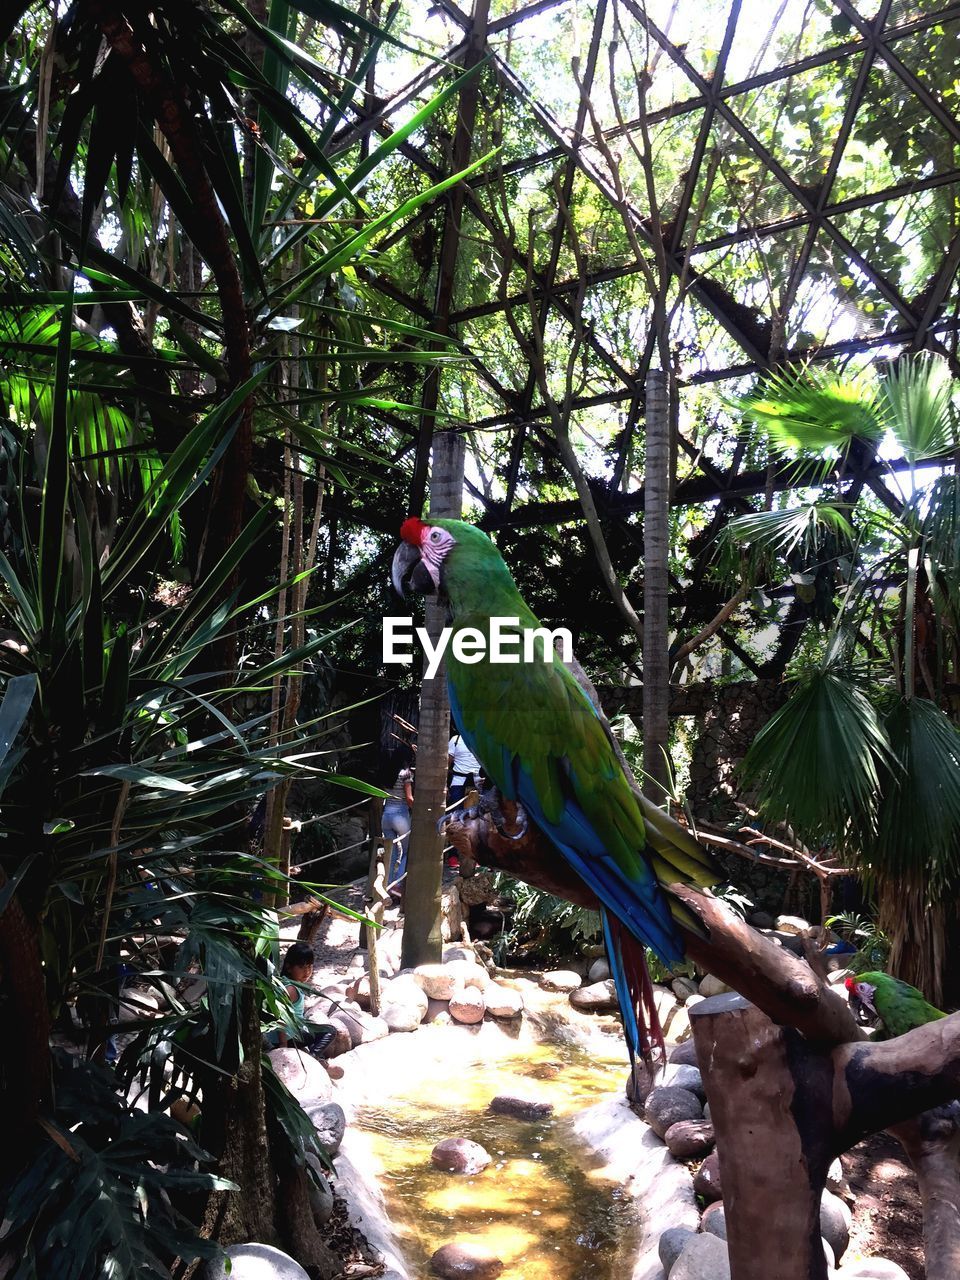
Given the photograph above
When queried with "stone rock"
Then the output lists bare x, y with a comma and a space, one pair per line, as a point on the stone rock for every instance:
302, 1074
684, 1054
363, 1027
599, 971
543, 1071
255, 1262
341, 1042
706, 1112
560, 980
793, 942
714, 1220
329, 1120
373, 1029
437, 980
684, 1077
469, 973
464, 1261
689, 1138
828, 1254
683, 989
672, 1244
836, 1181
706, 1181
505, 1104
666, 1105
599, 997
703, 1258
503, 1002
438, 1011
460, 1155
458, 951
835, 1221
711, 986
467, 1005
402, 1017
319, 1191
405, 989
873, 1269
761, 920
791, 924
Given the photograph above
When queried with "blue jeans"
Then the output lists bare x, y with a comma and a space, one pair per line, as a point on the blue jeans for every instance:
396, 828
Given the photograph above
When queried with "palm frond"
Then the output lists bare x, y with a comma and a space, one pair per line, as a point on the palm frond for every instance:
779, 533
816, 763
813, 409
918, 824
916, 400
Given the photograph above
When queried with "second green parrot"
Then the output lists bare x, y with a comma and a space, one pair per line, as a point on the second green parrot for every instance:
898, 1005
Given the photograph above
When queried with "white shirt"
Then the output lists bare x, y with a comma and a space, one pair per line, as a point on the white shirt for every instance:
464, 761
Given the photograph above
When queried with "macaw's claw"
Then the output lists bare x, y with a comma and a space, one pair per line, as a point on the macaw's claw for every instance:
519, 819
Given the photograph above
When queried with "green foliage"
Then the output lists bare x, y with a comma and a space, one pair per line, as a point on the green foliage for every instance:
543, 922
98, 1198
873, 945
817, 762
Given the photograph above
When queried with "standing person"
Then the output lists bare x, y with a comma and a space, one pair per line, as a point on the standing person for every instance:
395, 823
466, 768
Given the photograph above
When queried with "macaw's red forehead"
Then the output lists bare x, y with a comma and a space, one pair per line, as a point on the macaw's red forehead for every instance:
850, 984
412, 530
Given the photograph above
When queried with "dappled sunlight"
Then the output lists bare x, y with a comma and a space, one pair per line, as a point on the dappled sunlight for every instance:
541, 1205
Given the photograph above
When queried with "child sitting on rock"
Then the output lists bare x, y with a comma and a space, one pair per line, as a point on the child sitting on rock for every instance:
298, 969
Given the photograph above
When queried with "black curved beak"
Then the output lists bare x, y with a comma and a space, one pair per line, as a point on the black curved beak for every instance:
408, 572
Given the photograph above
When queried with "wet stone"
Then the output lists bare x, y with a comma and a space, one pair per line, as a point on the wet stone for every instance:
672, 1244
465, 1261
873, 1269
684, 1053
714, 1220
689, 1138
561, 980
460, 1155
302, 1074
467, 1005
599, 997
706, 1181
599, 971
712, 986
835, 1220
703, 1258
520, 1108
329, 1120
682, 1076
255, 1262
666, 1105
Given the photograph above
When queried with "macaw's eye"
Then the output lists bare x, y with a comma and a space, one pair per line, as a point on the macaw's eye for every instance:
434, 535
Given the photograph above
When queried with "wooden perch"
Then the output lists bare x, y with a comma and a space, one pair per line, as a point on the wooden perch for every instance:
796, 1061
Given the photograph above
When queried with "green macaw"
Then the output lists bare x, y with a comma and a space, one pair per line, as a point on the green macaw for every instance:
541, 741
899, 1006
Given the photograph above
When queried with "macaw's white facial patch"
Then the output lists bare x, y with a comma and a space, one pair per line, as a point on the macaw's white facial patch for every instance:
508, 643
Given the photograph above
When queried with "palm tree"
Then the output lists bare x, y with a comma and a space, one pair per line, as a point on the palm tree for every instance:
865, 755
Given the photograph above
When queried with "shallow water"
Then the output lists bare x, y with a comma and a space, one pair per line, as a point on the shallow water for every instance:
539, 1206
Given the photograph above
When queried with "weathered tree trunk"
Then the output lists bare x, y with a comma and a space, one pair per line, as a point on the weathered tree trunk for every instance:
656, 550
766, 1095
421, 931
234, 1129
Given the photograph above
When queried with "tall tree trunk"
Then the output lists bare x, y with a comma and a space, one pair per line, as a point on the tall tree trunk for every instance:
421, 931
656, 550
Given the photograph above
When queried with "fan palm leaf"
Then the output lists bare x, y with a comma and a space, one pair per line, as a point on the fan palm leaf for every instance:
816, 764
